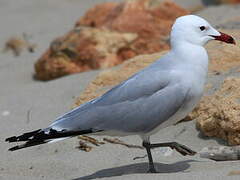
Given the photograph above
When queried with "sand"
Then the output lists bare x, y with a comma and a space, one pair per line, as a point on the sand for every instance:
26, 104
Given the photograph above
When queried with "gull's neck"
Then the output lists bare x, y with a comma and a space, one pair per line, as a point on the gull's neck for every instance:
190, 54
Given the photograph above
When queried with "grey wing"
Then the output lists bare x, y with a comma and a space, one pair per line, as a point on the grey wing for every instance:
142, 84
128, 102
139, 106
143, 114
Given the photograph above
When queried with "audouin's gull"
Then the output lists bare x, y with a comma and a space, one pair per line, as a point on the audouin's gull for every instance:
154, 98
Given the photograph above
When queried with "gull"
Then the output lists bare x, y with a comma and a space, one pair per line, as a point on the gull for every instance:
154, 98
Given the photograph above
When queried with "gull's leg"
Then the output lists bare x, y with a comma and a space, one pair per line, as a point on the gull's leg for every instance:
184, 150
147, 145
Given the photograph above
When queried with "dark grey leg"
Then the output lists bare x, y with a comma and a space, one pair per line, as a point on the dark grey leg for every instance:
151, 165
184, 150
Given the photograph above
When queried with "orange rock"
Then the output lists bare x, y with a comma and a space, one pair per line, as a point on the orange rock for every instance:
80, 50
112, 33
152, 22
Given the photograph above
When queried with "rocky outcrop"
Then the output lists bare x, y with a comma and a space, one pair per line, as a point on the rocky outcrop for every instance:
109, 34
217, 114
82, 49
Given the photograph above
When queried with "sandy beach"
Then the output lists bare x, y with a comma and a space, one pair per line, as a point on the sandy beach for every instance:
27, 104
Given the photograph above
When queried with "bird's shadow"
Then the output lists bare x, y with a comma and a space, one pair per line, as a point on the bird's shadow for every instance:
138, 168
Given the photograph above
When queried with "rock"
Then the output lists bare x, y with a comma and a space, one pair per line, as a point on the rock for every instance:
82, 49
217, 114
221, 153
109, 34
17, 44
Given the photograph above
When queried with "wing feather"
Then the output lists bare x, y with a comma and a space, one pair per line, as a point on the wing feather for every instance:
152, 95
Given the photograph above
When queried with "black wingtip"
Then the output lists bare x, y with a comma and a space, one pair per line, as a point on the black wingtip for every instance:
11, 139
23, 137
39, 137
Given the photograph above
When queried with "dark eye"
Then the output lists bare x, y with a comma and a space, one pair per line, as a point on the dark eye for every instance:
202, 28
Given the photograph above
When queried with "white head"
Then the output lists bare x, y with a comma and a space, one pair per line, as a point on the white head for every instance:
197, 31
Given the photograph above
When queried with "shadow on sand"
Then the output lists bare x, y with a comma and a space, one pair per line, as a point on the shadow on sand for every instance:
138, 168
